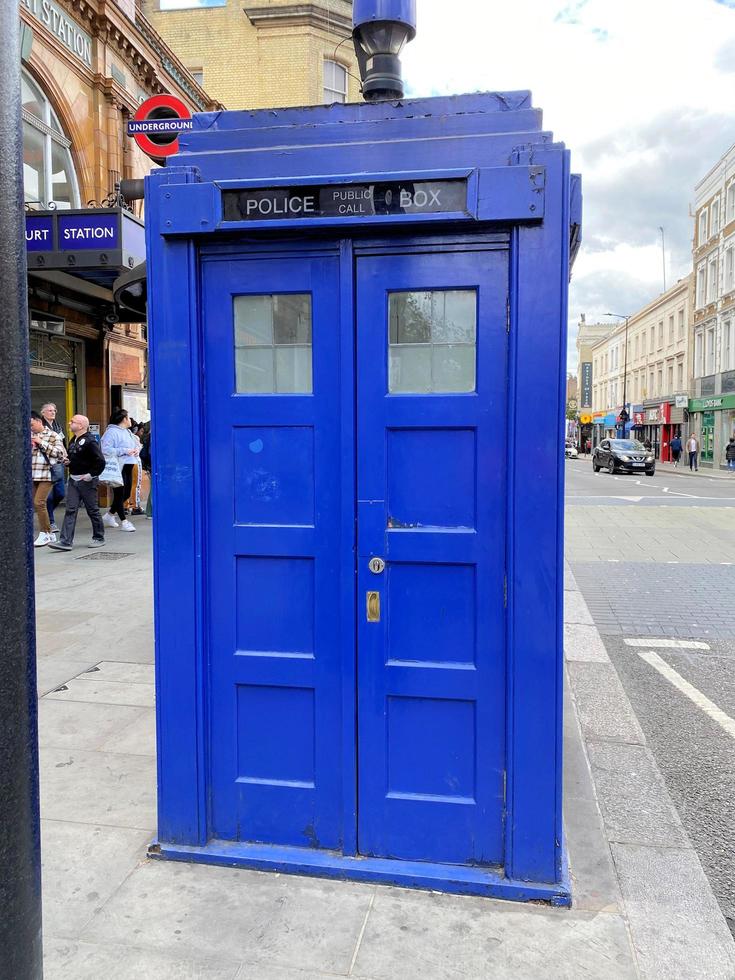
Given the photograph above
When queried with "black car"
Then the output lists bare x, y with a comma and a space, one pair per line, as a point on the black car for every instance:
626, 455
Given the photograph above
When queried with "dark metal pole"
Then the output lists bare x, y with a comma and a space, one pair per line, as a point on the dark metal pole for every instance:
20, 852
625, 374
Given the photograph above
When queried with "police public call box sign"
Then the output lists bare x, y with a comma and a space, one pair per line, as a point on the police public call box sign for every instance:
346, 200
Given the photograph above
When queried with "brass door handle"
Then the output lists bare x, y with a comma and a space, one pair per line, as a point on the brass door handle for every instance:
372, 605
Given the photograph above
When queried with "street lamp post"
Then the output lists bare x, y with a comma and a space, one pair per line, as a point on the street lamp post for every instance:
624, 416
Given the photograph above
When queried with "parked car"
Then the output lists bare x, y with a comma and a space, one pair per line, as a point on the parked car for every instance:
571, 451
627, 455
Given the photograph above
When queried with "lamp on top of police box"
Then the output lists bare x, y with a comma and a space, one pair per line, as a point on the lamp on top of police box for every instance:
381, 28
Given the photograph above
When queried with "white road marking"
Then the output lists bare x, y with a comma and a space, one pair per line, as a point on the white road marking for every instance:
668, 644
726, 723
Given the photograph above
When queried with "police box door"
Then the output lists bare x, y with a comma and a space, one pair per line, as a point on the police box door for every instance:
431, 477
421, 549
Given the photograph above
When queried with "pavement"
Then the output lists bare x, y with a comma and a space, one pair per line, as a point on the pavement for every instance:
642, 904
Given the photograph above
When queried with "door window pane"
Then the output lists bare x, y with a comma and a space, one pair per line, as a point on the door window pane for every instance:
432, 341
273, 343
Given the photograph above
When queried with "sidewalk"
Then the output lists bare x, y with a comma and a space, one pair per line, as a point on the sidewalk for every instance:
642, 907
683, 470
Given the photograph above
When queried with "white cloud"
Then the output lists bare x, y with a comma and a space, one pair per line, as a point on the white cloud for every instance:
640, 90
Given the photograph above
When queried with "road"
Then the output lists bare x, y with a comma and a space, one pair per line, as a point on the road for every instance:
655, 560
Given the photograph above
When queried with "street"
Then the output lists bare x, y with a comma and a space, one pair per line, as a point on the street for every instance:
655, 561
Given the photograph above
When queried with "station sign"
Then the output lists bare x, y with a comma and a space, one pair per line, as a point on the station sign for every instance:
346, 200
156, 126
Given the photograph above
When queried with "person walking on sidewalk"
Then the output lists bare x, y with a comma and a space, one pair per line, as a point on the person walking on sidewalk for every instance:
730, 454
86, 462
47, 448
119, 441
58, 490
676, 448
693, 450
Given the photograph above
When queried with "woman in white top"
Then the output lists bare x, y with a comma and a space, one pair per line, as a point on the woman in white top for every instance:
118, 440
693, 450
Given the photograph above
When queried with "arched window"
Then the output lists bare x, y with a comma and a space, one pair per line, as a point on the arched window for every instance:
335, 82
48, 170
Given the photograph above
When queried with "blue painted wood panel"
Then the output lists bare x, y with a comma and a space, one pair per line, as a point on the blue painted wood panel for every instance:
274, 568
431, 471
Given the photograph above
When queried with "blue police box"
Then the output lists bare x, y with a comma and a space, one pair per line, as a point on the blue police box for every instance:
358, 348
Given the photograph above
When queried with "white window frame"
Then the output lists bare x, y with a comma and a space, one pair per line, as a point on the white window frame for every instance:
714, 218
699, 354
701, 285
709, 351
702, 227
660, 334
333, 93
712, 277
727, 344
730, 203
49, 127
681, 326
680, 376
671, 329
729, 264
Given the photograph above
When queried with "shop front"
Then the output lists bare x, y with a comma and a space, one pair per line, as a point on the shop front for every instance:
713, 422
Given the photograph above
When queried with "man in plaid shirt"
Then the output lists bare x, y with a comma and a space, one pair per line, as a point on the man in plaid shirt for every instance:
47, 447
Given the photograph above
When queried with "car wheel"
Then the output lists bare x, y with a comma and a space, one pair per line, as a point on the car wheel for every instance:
611, 466
595, 467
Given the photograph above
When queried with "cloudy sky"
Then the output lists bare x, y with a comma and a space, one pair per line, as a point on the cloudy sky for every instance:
641, 91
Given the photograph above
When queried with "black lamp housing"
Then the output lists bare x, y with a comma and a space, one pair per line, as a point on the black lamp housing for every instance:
381, 28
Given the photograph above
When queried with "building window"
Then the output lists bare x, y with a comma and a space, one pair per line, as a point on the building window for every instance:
710, 352
48, 170
702, 236
681, 324
650, 385
712, 280
714, 218
701, 285
671, 329
670, 378
335, 82
730, 204
273, 343
727, 346
680, 376
643, 343
660, 334
660, 379
652, 339
698, 355
729, 268
198, 75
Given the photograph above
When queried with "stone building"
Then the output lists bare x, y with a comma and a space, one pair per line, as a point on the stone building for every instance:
712, 407
268, 53
86, 67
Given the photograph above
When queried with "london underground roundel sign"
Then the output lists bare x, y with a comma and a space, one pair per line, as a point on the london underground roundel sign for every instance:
156, 125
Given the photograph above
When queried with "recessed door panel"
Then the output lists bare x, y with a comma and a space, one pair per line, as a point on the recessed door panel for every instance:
431, 474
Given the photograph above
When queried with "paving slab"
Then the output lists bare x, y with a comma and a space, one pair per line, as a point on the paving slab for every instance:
82, 866
68, 960
137, 738
98, 788
451, 937
121, 672
52, 672
105, 692
583, 644
575, 609
67, 724
604, 709
198, 910
635, 804
679, 930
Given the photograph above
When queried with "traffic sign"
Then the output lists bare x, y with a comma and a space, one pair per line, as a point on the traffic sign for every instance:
156, 125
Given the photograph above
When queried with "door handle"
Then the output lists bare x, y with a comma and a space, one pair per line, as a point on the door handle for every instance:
372, 606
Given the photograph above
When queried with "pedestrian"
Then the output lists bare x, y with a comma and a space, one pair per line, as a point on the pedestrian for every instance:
133, 504
730, 454
47, 448
58, 490
587, 447
693, 450
147, 464
647, 445
676, 448
119, 441
86, 462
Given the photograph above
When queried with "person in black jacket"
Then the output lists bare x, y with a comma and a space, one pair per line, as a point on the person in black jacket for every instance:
86, 462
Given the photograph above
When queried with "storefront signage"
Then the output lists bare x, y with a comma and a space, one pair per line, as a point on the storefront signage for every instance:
62, 27
712, 404
39, 234
681, 401
346, 200
79, 231
586, 384
156, 125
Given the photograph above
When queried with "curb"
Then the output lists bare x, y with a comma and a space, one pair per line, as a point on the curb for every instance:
676, 927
